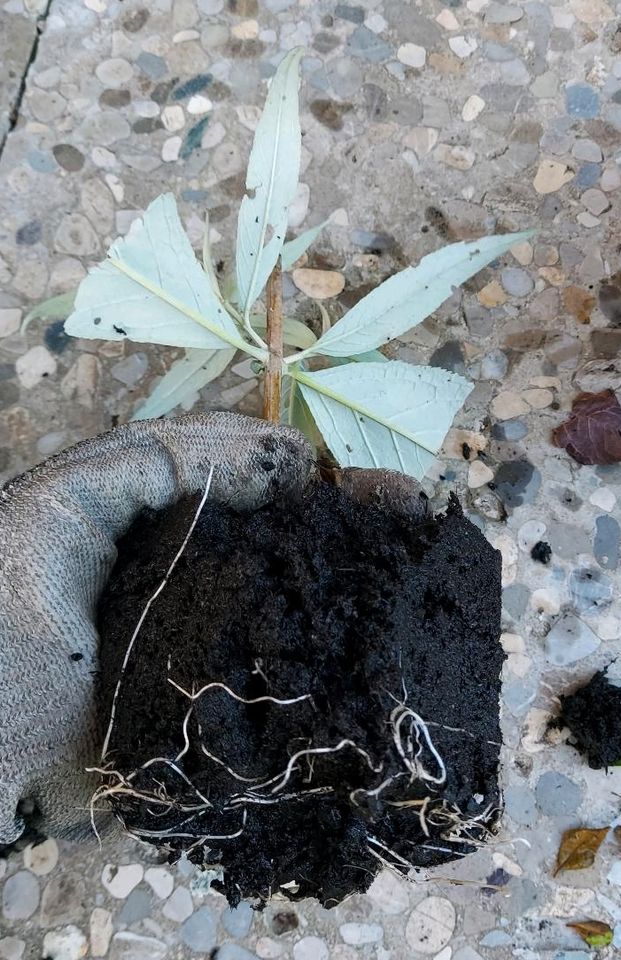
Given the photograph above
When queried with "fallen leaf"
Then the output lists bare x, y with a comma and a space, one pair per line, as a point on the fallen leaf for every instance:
579, 303
578, 848
592, 434
617, 833
594, 932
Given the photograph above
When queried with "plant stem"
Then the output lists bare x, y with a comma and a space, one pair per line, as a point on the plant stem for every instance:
273, 369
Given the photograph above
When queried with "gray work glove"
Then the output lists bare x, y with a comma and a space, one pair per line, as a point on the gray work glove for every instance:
58, 526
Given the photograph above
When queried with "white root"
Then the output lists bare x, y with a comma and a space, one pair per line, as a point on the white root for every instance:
236, 776
375, 792
145, 612
283, 778
302, 795
412, 761
163, 834
222, 686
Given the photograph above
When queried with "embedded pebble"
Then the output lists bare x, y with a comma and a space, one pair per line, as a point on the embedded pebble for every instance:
358, 934
430, 925
507, 405
538, 398
199, 931
447, 19
603, 498
232, 951
492, 295
557, 795
463, 444
479, 474
517, 282
472, 108
179, 905
100, 928
199, 104
606, 543
20, 896
530, 533
237, 922
589, 590
161, 881
510, 430
311, 948
12, 948
459, 157
595, 201
517, 482
581, 100
34, 365
551, 176
463, 46
133, 946
545, 601
41, 859
318, 284
412, 55
389, 893
10, 321
130, 370
136, 908
588, 150
173, 118
119, 881
520, 804
114, 73
171, 149
570, 640
267, 949
67, 944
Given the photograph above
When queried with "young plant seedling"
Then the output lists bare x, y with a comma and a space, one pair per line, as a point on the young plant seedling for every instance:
371, 412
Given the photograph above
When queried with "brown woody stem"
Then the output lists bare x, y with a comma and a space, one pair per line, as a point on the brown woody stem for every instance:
273, 369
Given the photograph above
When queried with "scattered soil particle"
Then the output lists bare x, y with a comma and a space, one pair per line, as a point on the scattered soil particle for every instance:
367, 615
542, 552
593, 715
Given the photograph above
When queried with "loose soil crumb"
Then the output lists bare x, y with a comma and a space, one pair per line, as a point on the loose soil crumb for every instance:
593, 715
380, 623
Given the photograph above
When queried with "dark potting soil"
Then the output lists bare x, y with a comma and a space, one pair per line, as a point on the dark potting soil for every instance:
384, 631
593, 715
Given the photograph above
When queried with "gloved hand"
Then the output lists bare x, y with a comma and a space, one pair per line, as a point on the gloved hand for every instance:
58, 526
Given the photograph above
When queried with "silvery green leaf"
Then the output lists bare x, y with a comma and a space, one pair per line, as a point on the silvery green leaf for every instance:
295, 333
410, 296
271, 183
296, 413
185, 377
208, 266
391, 415
56, 308
294, 249
152, 289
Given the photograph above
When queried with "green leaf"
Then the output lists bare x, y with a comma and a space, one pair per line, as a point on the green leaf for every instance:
410, 296
56, 308
390, 415
271, 183
152, 289
294, 249
594, 932
190, 373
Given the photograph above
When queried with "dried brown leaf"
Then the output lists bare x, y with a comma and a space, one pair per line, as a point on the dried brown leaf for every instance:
592, 434
578, 848
594, 932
